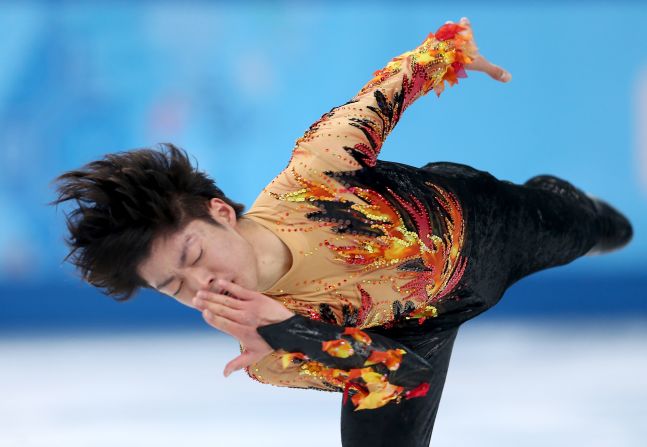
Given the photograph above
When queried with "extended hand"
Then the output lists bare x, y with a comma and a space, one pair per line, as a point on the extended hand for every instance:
239, 314
482, 64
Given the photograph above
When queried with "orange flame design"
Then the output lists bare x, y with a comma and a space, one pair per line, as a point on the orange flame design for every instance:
440, 57
358, 335
399, 244
310, 191
338, 348
373, 390
390, 358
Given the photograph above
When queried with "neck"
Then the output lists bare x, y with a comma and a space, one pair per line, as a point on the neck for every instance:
273, 257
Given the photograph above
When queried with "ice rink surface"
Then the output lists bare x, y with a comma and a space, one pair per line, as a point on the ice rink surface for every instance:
511, 383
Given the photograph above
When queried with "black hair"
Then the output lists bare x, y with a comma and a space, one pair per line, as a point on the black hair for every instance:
123, 202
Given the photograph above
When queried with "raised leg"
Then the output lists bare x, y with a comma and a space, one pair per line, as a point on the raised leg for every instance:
558, 223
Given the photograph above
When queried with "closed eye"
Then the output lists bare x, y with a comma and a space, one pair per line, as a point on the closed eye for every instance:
198, 258
194, 263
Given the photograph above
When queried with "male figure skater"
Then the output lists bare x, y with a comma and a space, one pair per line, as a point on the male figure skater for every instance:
348, 273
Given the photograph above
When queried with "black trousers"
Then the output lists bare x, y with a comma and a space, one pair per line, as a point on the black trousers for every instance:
512, 231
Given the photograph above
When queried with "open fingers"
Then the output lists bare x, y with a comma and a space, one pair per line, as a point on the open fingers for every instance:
498, 73
494, 71
482, 64
235, 290
224, 300
218, 309
240, 362
225, 325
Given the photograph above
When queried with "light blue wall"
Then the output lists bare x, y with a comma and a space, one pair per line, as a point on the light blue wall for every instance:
236, 85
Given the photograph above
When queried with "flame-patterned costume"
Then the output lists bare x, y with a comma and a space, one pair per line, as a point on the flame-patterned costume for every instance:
389, 260
373, 243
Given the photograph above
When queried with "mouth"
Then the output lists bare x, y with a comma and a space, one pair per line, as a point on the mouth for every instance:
225, 292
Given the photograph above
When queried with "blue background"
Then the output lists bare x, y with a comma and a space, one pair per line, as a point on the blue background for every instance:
236, 84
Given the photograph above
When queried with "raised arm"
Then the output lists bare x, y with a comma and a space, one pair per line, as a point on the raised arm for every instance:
351, 135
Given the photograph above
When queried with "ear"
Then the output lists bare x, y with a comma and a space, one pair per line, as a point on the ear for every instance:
222, 212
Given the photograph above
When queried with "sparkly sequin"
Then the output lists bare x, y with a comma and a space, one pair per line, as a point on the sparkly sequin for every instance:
379, 241
370, 388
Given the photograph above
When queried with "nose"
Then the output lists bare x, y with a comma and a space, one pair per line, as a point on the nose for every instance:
207, 283
204, 280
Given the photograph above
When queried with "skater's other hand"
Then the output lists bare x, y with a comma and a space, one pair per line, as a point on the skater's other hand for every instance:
480, 63
238, 312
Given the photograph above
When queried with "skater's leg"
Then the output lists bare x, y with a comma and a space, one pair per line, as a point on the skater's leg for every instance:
614, 229
553, 209
556, 223
409, 422
515, 230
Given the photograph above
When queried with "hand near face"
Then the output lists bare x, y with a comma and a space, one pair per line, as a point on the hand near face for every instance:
238, 315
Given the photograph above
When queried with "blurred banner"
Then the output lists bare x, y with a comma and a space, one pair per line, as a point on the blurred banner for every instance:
236, 84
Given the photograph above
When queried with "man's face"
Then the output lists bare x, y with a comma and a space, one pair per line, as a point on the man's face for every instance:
195, 257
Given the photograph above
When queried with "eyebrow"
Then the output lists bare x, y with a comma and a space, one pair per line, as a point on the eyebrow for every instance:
169, 280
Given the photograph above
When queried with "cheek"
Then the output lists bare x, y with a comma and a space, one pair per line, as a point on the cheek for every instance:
223, 258
213, 260
229, 256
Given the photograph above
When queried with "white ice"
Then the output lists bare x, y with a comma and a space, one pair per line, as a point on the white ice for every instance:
510, 383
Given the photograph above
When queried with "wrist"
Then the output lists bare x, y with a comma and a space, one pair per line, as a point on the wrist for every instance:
276, 317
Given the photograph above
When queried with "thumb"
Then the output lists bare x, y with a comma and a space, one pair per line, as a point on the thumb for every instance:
479, 63
239, 362
499, 73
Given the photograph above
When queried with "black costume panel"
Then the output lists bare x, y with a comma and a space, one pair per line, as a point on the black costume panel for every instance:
300, 334
512, 231
410, 422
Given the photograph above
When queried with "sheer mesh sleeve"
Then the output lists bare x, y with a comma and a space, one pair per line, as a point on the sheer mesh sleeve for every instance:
351, 135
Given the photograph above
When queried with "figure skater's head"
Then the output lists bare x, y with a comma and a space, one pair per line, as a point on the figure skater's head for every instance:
148, 218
